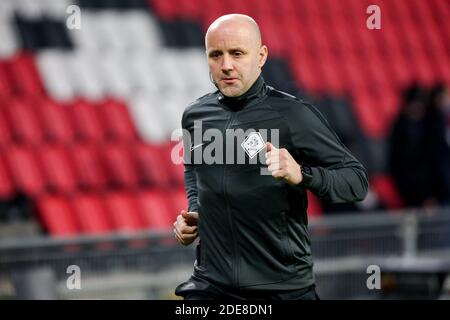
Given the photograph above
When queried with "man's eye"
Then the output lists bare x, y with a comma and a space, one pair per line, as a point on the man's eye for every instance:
215, 55
237, 53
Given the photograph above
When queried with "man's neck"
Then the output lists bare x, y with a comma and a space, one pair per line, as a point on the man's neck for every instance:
238, 103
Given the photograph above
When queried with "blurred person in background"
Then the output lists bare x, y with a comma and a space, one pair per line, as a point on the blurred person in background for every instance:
437, 141
253, 228
409, 159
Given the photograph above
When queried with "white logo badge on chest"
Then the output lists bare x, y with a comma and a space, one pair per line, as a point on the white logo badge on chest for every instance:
253, 144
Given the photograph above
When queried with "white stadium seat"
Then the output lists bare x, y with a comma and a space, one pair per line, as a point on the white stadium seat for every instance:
139, 31
169, 66
56, 9
8, 37
84, 72
109, 29
53, 66
142, 73
112, 72
150, 122
86, 38
29, 8
6, 9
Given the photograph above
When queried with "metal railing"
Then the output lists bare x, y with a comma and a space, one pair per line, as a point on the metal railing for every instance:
342, 246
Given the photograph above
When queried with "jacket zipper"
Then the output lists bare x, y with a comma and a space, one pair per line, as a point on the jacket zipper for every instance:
234, 262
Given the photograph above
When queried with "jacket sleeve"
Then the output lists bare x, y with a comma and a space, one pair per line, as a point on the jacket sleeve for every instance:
190, 183
190, 178
336, 174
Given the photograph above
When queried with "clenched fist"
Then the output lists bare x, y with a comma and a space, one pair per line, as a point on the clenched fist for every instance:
185, 227
282, 165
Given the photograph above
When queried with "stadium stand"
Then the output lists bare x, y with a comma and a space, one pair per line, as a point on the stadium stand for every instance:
86, 116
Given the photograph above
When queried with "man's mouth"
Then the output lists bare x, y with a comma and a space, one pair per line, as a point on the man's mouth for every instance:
229, 80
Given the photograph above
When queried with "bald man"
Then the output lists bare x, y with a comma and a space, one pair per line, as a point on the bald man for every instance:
235, 54
251, 153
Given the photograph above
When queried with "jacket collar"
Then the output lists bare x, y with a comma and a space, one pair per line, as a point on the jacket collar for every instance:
256, 91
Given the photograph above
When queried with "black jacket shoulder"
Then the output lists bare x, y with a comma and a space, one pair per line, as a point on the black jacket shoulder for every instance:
296, 111
198, 103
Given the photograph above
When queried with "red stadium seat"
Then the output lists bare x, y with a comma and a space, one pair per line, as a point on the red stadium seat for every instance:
24, 75
92, 214
178, 201
439, 64
366, 110
87, 121
89, 167
25, 170
123, 211
5, 83
424, 70
270, 34
116, 118
211, 10
306, 73
399, 71
23, 121
166, 10
57, 216
314, 207
58, 169
375, 72
5, 131
318, 38
391, 104
351, 73
154, 209
389, 45
386, 190
56, 121
120, 166
176, 171
190, 9
151, 165
332, 75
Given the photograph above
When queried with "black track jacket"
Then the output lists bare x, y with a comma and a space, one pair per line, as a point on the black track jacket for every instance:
252, 227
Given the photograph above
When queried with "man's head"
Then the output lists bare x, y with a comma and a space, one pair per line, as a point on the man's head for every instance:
235, 54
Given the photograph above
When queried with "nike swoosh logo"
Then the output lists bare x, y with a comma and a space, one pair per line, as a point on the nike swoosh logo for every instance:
196, 146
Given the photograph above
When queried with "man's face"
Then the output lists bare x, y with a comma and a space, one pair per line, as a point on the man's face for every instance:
234, 58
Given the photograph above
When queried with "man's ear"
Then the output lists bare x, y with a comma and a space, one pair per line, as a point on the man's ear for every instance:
263, 53
212, 80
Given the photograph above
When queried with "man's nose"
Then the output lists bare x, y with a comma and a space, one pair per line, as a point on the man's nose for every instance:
227, 64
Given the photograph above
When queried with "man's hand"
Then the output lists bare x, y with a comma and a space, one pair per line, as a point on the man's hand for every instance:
282, 165
185, 227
